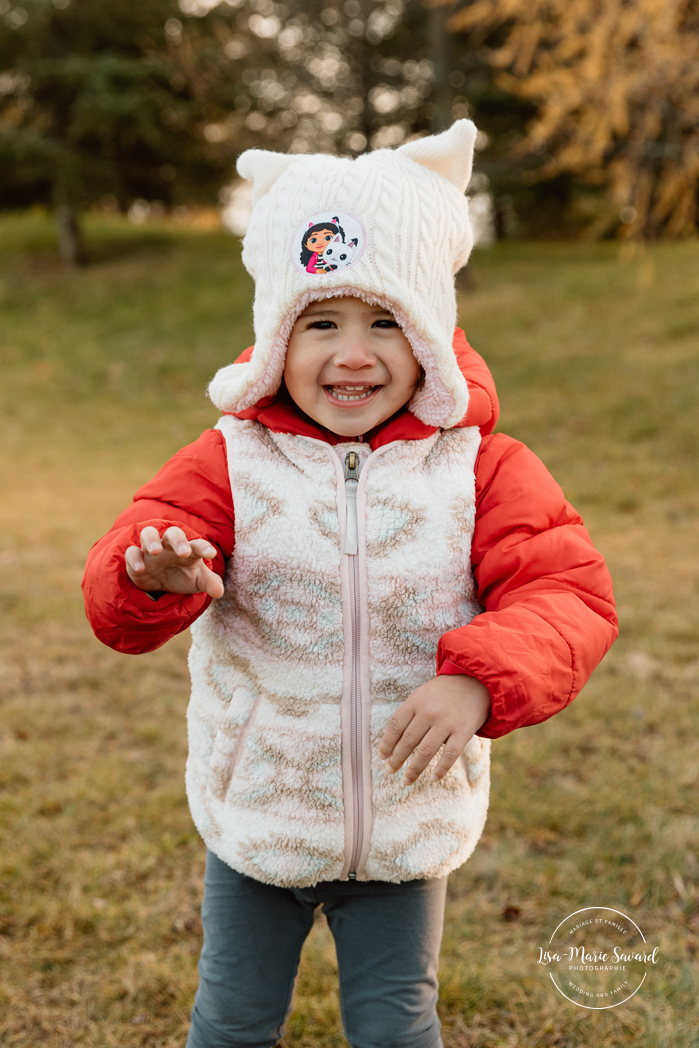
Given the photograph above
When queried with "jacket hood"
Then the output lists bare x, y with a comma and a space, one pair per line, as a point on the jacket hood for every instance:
390, 227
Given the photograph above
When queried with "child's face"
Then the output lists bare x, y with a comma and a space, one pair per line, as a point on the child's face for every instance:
349, 366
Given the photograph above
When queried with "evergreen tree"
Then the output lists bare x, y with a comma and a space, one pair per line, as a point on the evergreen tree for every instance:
106, 98
330, 75
348, 75
154, 99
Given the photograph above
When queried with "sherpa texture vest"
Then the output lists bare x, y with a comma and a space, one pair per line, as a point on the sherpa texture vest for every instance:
297, 670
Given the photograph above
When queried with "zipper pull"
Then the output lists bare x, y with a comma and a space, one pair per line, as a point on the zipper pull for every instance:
351, 466
352, 463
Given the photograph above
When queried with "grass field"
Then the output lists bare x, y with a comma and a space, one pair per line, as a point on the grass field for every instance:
103, 373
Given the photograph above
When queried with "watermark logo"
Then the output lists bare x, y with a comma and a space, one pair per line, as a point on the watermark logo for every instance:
598, 958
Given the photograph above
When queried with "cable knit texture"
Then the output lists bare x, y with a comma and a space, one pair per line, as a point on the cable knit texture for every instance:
418, 235
269, 779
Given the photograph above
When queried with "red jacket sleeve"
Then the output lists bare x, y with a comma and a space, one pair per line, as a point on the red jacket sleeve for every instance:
193, 491
549, 608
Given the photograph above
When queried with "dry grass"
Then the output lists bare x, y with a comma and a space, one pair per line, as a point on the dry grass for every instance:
595, 358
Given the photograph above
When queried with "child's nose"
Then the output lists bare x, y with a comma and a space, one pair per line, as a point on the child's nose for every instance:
354, 353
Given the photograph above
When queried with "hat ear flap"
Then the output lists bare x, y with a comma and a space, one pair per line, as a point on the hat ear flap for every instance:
263, 168
450, 153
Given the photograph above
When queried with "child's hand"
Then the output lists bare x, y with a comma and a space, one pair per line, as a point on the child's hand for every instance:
446, 711
174, 564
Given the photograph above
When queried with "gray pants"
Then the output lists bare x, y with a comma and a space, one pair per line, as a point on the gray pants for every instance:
387, 938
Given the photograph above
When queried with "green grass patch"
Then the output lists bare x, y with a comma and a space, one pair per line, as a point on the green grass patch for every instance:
104, 376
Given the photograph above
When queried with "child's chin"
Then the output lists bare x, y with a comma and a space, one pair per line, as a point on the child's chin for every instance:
353, 423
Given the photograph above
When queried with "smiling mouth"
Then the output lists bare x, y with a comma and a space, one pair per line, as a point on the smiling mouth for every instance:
351, 394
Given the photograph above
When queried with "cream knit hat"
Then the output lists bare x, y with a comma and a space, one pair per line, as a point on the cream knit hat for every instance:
390, 227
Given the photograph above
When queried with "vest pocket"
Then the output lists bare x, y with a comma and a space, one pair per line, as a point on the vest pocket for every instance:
474, 759
226, 753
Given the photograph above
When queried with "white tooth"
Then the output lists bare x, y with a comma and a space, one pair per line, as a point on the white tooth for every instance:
345, 396
348, 396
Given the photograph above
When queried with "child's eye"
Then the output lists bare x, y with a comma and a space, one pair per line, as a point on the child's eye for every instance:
385, 323
322, 325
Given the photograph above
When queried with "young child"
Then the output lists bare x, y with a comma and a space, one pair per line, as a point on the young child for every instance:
377, 587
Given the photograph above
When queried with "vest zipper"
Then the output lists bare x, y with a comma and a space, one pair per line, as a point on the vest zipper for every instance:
352, 465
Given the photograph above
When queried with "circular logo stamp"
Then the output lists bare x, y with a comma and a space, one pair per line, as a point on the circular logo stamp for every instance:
328, 241
598, 957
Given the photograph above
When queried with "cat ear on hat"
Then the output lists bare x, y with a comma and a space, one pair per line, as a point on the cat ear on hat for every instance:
449, 154
263, 168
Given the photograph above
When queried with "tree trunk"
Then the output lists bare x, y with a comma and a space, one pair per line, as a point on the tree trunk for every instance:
70, 239
439, 45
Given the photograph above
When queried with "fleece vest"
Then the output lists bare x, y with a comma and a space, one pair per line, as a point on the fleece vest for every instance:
298, 668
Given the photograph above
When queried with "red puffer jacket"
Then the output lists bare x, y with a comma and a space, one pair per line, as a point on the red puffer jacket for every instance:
549, 610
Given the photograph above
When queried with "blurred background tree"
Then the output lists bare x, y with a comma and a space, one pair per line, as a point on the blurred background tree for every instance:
104, 101
346, 75
111, 102
588, 109
317, 75
615, 86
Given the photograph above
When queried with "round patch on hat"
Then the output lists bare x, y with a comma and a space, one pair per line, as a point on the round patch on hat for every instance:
328, 241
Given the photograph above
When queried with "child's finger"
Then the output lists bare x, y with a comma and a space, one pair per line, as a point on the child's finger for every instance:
150, 541
453, 748
410, 740
211, 583
176, 540
395, 728
423, 754
202, 548
134, 560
